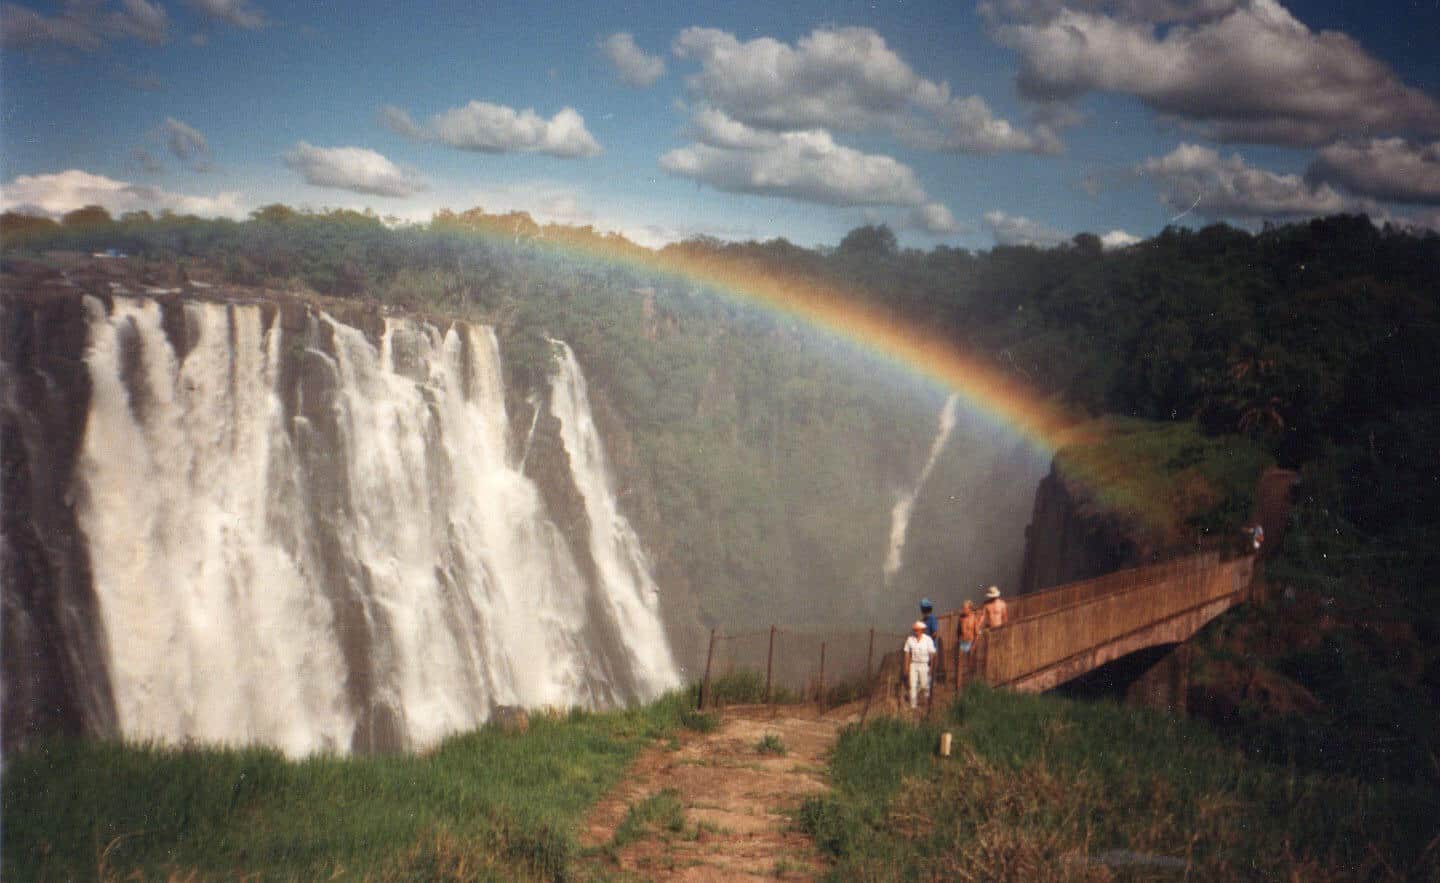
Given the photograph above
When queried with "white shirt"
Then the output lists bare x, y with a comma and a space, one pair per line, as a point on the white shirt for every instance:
919, 649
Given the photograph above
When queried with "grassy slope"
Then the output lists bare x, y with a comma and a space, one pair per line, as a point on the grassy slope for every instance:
1166, 477
1045, 788
484, 805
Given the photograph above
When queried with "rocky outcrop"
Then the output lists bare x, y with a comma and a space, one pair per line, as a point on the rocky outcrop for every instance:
1070, 538
54, 647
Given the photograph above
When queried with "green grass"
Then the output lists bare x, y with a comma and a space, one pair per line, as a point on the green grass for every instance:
1045, 788
771, 743
483, 805
661, 811
1167, 476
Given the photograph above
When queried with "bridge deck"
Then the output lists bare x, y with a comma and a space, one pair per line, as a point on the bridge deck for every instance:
1060, 633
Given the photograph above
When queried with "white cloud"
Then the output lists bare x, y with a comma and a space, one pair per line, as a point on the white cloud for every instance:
239, 13
1198, 178
935, 218
1020, 230
55, 194
1383, 168
1118, 239
495, 128
847, 79
352, 168
1157, 11
186, 143
1247, 71
806, 165
967, 125
83, 24
633, 66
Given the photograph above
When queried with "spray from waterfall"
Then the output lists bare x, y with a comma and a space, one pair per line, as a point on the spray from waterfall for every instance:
900, 514
314, 539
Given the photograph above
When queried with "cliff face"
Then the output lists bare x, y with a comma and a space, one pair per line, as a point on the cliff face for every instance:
57, 654
1069, 538
54, 646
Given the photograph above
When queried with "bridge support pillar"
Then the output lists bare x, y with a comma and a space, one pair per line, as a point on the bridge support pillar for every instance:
1164, 685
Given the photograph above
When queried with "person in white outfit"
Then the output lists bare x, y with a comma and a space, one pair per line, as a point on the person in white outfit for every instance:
919, 650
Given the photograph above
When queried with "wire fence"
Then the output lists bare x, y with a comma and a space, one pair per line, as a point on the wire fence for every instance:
782, 665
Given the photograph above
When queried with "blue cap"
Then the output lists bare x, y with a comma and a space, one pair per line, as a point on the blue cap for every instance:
925, 604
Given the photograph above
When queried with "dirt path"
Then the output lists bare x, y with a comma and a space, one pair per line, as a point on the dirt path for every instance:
712, 807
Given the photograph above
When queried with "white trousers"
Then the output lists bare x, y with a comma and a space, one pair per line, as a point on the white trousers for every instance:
919, 680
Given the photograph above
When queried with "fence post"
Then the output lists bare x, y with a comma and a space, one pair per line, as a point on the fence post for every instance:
705, 681
769, 664
870, 656
820, 697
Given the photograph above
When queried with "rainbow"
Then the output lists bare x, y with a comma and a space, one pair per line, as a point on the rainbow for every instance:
819, 304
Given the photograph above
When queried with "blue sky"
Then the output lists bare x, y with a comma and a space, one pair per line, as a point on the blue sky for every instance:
955, 122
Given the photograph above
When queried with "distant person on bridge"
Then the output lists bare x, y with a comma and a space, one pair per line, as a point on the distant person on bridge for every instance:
994, 614
932, 628
919, 650
969, 626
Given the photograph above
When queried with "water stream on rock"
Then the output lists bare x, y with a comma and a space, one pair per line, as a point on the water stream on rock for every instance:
303, 539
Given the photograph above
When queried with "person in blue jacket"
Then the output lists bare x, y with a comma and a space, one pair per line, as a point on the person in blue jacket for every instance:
932, 628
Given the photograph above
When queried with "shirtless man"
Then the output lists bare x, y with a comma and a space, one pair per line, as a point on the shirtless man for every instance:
969, 626
994, 614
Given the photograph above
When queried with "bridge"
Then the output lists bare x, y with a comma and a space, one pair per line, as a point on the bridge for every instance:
1059, 634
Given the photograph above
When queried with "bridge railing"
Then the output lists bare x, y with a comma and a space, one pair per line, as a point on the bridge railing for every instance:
1070, 594
1054, 626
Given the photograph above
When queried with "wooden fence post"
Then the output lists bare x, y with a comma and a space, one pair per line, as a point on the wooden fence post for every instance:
870, 656
820, 698
769, 664
705, 681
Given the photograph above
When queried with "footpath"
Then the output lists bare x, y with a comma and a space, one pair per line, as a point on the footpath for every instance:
715, 806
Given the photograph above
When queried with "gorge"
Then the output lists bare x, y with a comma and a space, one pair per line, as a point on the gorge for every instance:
241, 516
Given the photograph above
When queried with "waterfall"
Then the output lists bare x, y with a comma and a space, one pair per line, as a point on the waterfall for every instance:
313, 538
633, 599
900, 514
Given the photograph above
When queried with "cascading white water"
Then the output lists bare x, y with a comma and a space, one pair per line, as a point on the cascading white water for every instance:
341, 557
900, 513
633, 599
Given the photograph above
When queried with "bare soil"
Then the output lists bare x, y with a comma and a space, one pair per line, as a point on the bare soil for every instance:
735, 788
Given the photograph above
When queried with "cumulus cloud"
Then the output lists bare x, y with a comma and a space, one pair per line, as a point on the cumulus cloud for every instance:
187, 144
352, 168
1158, 11
632, 65
1246, 71
83, 24
239, 13
1192, 177
495, 128
1384, 168
845, 79
935, 218
1020, 230
56, 194
1118, 239
967, 125
806, 165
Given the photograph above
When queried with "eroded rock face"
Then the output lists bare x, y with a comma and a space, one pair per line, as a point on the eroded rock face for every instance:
56, 652
1068, 541
54, 648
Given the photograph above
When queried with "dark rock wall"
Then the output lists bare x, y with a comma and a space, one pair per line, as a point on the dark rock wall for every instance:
1068, 539
54, 653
